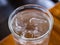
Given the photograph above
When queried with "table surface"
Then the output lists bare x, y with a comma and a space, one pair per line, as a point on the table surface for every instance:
55, 33
6, 10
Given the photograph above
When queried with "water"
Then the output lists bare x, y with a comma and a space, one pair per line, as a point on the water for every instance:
30, 23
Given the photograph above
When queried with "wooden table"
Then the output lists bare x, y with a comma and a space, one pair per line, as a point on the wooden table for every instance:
55, 34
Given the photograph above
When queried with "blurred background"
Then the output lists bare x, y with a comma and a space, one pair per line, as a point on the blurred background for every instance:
7, 6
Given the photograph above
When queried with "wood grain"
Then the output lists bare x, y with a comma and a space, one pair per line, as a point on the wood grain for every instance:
56, 10
7, 41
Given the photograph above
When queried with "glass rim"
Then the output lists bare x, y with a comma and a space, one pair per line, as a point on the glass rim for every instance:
22, 7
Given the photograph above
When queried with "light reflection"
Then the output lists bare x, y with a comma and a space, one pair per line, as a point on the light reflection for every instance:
3, 2
46, 3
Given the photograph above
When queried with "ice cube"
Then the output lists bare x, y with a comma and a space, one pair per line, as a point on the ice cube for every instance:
36, 21
28, 35
36, 33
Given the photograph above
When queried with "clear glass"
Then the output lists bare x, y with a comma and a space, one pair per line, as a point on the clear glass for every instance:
41, 40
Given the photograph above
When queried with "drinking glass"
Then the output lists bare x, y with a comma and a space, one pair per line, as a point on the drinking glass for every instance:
41, 40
